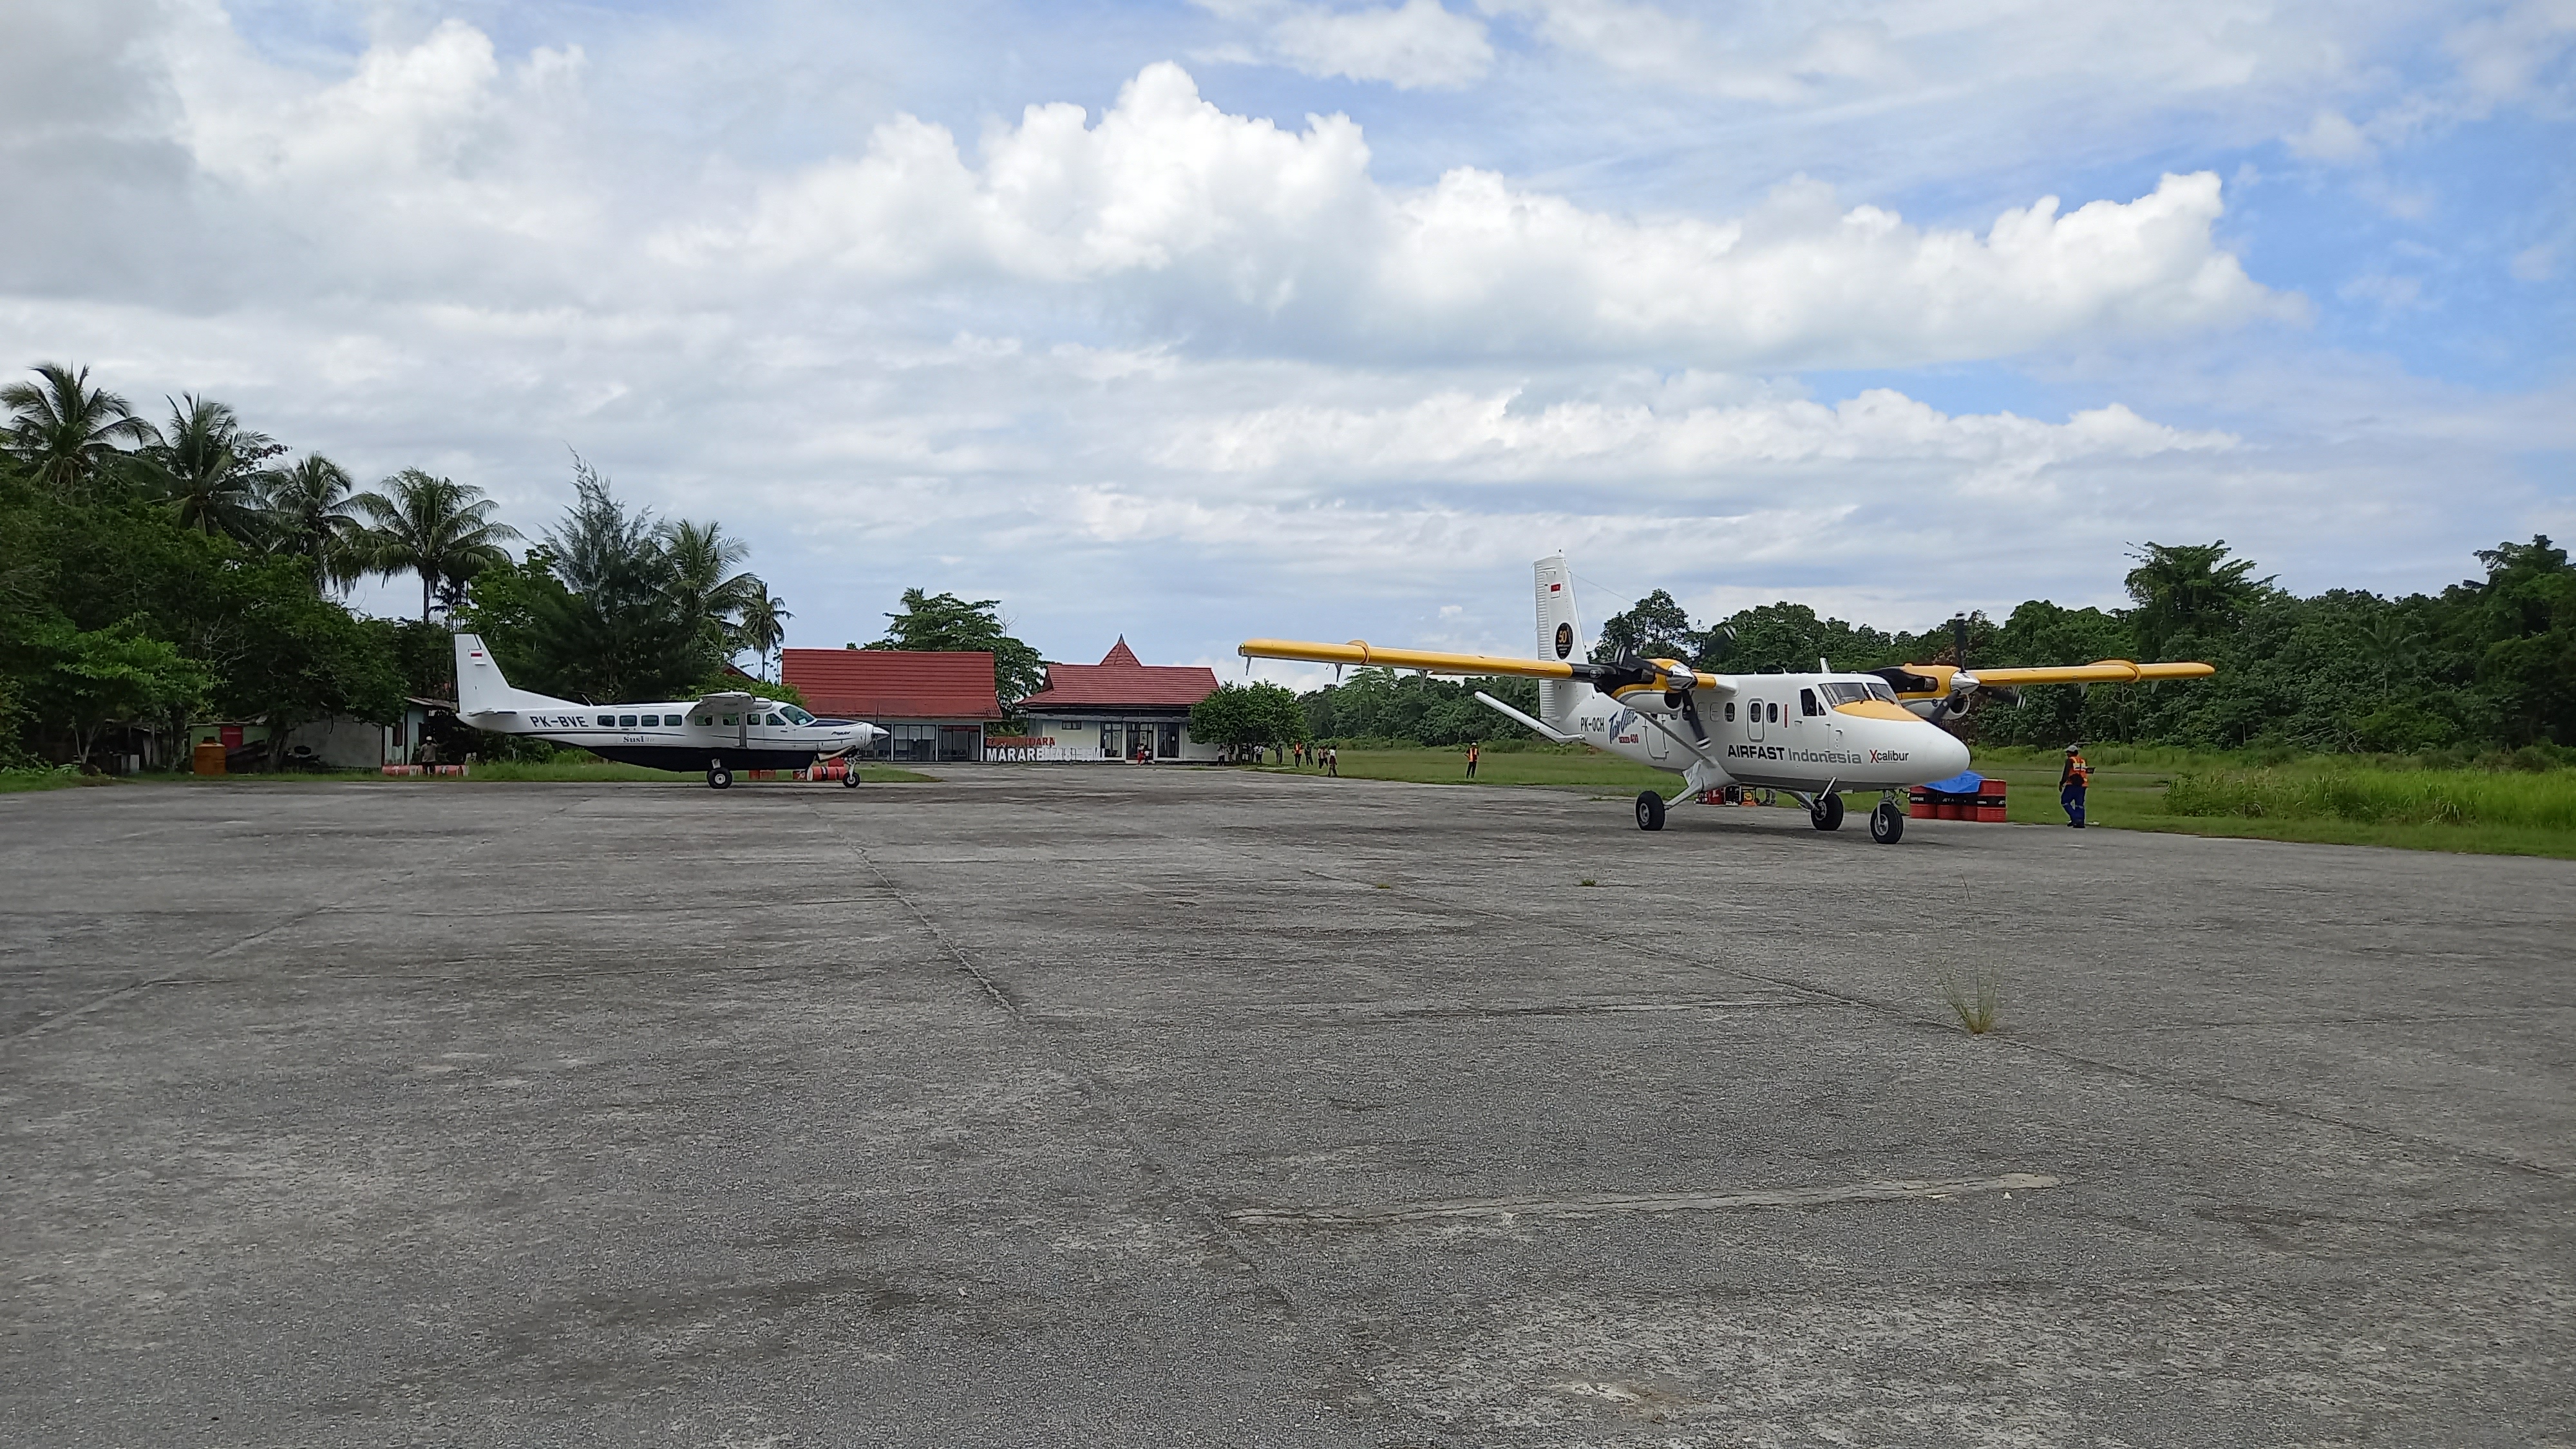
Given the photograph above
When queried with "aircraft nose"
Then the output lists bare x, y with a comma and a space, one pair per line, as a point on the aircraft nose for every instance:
1948, 750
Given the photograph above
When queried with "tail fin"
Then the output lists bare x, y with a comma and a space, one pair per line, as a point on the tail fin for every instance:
482, 689
1560, 636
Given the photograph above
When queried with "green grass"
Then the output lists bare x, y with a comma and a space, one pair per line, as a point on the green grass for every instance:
2325, 800
13, 782
1518, 767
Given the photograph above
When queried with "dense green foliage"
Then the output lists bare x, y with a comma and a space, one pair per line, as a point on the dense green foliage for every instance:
945, 621
1380, 704
1241, 715
155, 575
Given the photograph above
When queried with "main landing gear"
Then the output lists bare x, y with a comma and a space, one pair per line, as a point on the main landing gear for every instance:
718, 777
1827, 812
1650, 810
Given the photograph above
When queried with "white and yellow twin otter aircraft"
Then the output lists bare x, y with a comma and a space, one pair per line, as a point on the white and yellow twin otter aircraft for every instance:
1809, 736
721, 732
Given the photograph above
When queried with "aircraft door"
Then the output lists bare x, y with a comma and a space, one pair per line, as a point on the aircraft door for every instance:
1658, 744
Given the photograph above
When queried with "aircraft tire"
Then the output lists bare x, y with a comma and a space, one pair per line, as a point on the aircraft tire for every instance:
850, 775
1886, 824
1828, 814
1650, 810
719, 778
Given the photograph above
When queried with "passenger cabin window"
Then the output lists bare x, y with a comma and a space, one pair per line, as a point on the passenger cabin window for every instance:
730, 719
626, 721
608, 721
1775, 713
1730, 711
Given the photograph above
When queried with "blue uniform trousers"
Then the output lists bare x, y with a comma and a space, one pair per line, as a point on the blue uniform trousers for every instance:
2072, 797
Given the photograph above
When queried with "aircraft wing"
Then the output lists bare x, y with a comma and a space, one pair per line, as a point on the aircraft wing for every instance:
1432, 661
2107, 671
733, 699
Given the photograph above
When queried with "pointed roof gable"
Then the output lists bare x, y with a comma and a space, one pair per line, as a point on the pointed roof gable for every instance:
1119, 681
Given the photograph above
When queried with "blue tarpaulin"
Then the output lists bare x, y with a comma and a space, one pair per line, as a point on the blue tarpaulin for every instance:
1963, 783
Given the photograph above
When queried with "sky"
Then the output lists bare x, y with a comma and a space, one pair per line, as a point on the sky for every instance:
1191, 322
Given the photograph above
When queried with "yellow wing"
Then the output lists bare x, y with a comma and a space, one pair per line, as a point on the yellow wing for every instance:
2108, 671
1360, 652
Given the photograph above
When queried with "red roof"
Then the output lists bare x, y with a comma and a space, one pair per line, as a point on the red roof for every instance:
882, 684
1119, 680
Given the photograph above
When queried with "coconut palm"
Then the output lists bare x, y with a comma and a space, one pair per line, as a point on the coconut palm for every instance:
66, 432
2182, 588
306, 505
763, 625
207, 465
434, 527
705, 587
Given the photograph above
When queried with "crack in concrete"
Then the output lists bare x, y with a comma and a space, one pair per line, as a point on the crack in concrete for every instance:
1584, 1205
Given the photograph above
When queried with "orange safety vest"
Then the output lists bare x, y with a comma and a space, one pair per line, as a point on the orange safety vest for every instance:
2078, 773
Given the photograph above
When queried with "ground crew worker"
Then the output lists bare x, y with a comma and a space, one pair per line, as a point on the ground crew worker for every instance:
1332, 762
1474, 750
2071, 785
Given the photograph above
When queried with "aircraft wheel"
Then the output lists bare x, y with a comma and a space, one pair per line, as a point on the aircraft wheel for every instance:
850, 776
1886, 824
719, 778
1650, 810
1828, 812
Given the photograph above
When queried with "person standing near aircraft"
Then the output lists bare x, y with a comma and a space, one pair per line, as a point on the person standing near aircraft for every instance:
1332, 762
2072, 783
1475, 750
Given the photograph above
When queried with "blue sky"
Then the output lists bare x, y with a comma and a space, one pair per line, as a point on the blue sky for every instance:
1324, 319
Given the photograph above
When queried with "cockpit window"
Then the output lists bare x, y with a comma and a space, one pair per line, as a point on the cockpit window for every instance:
794, 715
1881, 689
773, 719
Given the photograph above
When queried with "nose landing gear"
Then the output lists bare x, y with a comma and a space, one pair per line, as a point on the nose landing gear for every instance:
1887, 823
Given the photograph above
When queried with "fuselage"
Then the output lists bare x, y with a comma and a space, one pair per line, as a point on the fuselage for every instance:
1799, 732
687, 734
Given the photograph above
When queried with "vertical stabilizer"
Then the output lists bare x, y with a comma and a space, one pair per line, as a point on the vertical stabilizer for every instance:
1560, 636
482, 689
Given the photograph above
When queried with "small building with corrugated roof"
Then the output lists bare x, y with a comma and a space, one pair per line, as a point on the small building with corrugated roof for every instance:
1117, 709
933, 705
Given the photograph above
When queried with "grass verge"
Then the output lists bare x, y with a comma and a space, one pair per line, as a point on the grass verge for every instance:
16, 782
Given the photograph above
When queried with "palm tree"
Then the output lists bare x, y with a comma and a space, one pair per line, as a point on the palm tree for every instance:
207, 465
434, 527
2190, 587
67, 432
704, 585
307, 509
763, 625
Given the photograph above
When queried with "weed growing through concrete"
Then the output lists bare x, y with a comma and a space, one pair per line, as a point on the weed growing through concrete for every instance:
1382, 885
1973, 998
1587, 880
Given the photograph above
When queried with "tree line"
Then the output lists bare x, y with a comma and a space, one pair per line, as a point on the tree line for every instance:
2488, 663
154, 573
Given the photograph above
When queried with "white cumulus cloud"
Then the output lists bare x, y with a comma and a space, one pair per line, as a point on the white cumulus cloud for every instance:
1234, 227
1413, 46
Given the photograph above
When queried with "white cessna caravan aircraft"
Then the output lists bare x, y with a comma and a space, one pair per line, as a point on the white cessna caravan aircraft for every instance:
1810, 736
721, 732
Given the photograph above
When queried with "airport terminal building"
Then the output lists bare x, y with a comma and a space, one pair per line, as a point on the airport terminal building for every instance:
932, 705
1114, 710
